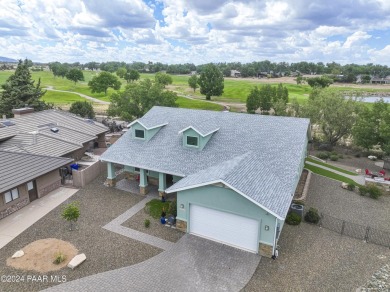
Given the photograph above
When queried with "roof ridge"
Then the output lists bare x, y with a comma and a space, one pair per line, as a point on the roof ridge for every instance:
39, 155
72, 129
57, 138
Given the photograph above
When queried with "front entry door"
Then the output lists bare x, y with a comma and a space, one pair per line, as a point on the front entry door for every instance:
32, 190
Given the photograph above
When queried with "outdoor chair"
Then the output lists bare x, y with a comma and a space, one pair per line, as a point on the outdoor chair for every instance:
382, 173
368, 173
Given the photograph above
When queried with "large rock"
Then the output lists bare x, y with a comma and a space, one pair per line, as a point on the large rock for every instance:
77, 260
18, 254
344, 185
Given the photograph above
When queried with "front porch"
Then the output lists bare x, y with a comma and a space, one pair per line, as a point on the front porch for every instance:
139, 180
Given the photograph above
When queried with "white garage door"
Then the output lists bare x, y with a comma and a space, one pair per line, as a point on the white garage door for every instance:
224, 227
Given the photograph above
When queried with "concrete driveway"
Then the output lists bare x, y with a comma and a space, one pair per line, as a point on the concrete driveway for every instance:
193, 264
14, 224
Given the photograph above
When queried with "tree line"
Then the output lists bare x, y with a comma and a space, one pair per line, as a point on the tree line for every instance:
345, 73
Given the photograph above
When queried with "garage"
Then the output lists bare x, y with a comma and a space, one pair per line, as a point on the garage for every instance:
227, 228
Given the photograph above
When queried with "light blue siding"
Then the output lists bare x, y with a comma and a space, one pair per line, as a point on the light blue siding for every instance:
226, 200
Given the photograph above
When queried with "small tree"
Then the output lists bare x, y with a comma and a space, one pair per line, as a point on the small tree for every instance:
132, 75
82, 108
253, 100
211, 81
71, 213
320, 82
163, 78
103, 81
121, 72
193, 82
75, 75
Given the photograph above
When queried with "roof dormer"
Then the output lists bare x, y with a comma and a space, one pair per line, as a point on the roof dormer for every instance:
197, 137
141, 132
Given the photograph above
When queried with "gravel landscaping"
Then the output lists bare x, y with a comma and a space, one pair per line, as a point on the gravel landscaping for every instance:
316, 259
105, 250
137, 222
328, 197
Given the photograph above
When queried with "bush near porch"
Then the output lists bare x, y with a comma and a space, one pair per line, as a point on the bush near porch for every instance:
155, 207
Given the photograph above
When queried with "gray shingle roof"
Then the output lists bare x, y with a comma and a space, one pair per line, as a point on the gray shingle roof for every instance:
73, 132
19, 168
257, 155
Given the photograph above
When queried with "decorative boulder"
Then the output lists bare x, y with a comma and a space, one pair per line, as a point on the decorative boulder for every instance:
372, 157
344, 185
18, 254
77, 260
359, 170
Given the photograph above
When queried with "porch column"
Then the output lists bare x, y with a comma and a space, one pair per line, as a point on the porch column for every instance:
111, 177
162, 183
143, 182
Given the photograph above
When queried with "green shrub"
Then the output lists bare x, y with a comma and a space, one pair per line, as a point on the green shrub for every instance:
334, 153
363, 190
374, 191
351, 186
293, 219
334, 157
341, 156
59, 258
357, 155
323, 155
173, 208
147, 223
312, 216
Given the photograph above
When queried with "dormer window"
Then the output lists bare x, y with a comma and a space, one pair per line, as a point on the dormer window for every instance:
140, 134
192, 141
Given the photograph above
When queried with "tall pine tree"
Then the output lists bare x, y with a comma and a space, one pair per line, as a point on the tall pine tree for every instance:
19, 91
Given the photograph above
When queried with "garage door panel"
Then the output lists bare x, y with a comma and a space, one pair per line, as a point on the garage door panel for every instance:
224, 227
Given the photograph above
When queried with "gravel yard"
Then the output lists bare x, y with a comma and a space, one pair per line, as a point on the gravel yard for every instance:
316, 259
156, 228
328, 197
105, 250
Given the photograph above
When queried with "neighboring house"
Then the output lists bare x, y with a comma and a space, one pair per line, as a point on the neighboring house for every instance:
234, 174
378, 80
50, 132
26, 177
235, 73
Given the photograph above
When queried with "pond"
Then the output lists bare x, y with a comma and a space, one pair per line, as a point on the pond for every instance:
372, 99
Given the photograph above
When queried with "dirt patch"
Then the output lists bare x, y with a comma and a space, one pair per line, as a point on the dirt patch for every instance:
39, 255
301, 184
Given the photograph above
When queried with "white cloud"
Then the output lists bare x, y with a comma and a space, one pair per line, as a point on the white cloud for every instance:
196, 31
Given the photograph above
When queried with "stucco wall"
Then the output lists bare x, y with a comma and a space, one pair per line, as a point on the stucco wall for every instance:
48, 183
226, 200
23, 200
85, 176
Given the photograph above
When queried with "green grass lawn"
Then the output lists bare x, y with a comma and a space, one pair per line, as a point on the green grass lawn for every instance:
330, 166
329, 174
61, 97
155, 207
197, 104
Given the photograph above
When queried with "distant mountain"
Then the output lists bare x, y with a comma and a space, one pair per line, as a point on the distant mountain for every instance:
8, 60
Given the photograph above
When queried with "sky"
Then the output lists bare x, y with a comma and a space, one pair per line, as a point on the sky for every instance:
196, 31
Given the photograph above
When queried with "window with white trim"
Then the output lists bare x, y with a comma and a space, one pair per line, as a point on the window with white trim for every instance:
192, 141
11, 195
140, 134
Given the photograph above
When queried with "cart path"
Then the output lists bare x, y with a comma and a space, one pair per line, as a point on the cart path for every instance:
80, 94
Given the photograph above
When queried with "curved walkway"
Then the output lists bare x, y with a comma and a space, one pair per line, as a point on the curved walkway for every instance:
357, 178
80, 94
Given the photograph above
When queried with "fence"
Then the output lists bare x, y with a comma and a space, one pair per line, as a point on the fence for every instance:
85, 176
350, 229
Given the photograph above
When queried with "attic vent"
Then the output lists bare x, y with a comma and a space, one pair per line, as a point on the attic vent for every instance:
54, 130
89, 121
7, 123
